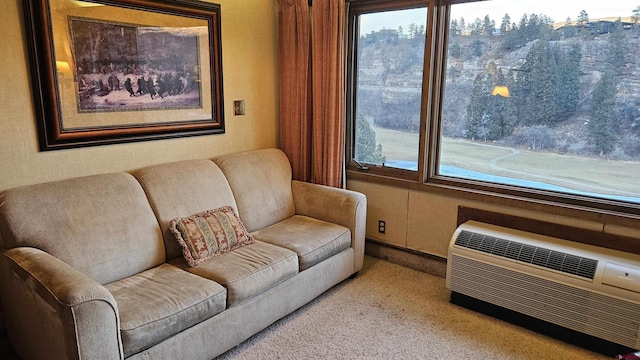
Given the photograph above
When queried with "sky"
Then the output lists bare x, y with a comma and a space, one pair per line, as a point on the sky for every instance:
558, 10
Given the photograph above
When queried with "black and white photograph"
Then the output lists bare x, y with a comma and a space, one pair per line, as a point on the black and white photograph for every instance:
125, 67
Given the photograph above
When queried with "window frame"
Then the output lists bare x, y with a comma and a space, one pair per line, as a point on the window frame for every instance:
426, 178
355, 9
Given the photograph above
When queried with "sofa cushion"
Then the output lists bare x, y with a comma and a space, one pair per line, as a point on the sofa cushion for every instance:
209, 233
161, 302
247, 271
181, 188
312, 239
261, 183
101, 225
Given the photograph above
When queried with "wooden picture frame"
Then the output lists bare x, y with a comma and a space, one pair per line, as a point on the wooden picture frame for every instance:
114, 71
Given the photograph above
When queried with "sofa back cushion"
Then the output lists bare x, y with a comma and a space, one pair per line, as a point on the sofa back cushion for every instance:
261, 183
101, 225
183, 188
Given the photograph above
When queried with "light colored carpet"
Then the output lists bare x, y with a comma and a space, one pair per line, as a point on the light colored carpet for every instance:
392, 312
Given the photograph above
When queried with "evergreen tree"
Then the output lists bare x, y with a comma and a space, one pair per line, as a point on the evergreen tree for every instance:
583, 20
545, 28
454, 28
568, 91
367, 150
547, 89
618, 47
488, 26
489, 117
413, 29
455, 51
519, 35
474, 124
500, 114
524, 20
537, 86
477, 47
532, 29
476, 27
511, 105
511, 40
505, 26
601, 122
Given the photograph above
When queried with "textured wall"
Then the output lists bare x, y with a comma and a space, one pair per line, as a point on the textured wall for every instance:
250, 67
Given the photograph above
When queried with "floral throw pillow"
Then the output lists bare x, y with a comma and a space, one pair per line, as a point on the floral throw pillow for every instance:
209, 233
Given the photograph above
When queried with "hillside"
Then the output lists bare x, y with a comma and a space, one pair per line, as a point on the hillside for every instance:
390, 74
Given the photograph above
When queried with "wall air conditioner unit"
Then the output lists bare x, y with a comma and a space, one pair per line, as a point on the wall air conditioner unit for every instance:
588, 289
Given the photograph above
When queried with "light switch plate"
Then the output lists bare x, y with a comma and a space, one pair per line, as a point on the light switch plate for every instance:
238, 107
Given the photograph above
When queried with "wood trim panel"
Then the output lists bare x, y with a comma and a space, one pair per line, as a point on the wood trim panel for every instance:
585, 236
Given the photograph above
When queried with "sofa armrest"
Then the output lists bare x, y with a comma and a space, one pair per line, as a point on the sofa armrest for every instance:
53, 311
339, 206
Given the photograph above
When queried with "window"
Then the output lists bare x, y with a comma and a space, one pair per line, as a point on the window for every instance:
389, 87
527, 99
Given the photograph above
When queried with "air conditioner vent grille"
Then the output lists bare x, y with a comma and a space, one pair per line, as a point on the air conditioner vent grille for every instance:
524, 253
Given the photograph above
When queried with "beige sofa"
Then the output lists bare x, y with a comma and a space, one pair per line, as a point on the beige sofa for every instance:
90, 269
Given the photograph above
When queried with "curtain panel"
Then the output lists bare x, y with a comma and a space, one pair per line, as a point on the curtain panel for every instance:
312, 87
327, 64
294, 73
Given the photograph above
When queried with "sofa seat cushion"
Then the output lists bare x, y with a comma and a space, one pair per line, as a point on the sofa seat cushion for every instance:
247, 271
161, 302
312, 239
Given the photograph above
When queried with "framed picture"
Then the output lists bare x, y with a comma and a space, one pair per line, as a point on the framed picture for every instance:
113, 71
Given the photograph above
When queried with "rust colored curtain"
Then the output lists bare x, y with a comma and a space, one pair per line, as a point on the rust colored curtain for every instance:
327, 66
312, 89
295, 110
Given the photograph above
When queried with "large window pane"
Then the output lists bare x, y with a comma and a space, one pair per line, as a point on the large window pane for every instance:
390, 57
544, 95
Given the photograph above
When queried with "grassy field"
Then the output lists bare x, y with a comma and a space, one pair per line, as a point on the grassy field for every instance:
590, 174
